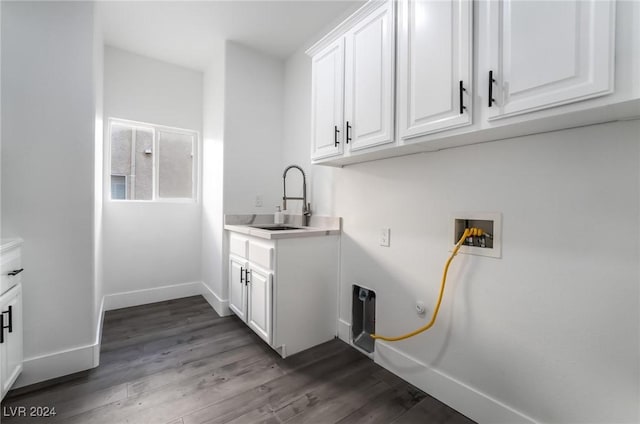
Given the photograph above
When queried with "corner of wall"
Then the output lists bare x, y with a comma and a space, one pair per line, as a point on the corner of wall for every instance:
98, 342
98, 82
212, 241
58, 233
57, 364
219, 305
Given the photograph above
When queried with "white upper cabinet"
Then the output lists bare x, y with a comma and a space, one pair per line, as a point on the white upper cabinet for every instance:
547, 53
353, 84
434, 66
369, 80
468, 72
327, 97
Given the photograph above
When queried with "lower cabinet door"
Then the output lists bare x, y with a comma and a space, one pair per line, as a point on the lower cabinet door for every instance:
260, 302
11, 348
238, 287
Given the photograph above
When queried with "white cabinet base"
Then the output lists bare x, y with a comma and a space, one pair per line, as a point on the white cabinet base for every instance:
11, 347
305, 292
292, 305
11, 355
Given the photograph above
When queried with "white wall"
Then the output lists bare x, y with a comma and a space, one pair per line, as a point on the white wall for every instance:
295, 147
243, 100
549, 331
213, 260
48, 120
148, 245
98, 81
243, 120
252, 130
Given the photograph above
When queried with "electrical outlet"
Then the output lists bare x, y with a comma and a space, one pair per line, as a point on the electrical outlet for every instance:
385, 235
258, 201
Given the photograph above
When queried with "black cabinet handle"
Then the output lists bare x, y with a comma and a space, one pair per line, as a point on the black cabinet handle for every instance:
241, 273
335, 136
2, 326
10, 312
246, 276
462, 106
491, 82
15, 272
348, 132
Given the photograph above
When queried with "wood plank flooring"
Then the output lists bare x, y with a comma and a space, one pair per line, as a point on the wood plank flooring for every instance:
178, 362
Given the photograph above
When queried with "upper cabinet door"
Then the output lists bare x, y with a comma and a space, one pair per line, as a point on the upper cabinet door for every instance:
548, 53
327, 93
369, 80
434, 66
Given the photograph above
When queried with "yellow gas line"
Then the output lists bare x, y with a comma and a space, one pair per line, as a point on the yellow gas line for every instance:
468, 232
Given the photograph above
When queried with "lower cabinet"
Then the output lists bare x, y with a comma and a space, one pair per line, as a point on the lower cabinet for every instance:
10, 313
250, 293
285, 290
11, 337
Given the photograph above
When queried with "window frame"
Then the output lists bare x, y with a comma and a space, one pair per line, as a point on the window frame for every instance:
154, 128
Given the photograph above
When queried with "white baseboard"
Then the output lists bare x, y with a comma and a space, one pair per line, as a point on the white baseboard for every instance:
219, 305
57, 364
96, 346
156, 294
344, 331
64, 362
461, 397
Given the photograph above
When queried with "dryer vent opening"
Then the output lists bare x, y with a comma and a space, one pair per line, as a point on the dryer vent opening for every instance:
363, 318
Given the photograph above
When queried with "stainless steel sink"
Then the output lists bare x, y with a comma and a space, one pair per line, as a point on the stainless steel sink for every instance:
275, 227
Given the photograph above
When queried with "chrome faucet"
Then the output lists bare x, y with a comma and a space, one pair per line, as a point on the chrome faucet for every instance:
306, 207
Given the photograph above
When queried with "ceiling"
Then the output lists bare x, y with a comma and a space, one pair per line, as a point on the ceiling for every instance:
185, 32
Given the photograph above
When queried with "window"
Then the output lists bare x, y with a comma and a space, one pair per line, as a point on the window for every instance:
152, 162
119, 187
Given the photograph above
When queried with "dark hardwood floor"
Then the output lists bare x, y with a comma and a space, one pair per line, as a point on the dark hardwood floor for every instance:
178, 362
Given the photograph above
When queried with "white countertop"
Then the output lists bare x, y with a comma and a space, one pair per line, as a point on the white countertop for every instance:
281, 234
320, 226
